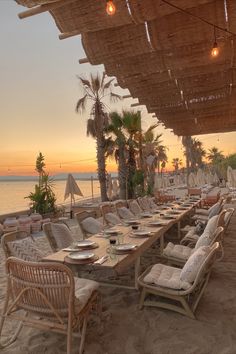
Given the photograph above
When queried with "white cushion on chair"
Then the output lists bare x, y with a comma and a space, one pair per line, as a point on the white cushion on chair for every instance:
25, 249
112, 218
192, 266
62, 235
177, 251
135, 208
214, 210
84, 289
91, 225
166, 276
125, 213
206, 238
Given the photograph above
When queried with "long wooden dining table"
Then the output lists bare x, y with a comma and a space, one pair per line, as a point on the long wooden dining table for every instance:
120, 262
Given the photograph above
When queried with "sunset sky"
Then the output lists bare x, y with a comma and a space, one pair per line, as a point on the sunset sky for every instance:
39, 90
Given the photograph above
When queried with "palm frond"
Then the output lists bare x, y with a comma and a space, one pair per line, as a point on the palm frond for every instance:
84, 82
107, 84
91, 128
114, 97
95, 82
80, 106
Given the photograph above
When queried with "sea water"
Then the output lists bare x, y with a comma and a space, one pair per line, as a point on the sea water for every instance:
13, 193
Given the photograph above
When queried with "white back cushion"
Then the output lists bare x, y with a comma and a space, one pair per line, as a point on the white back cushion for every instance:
112, 218
214, 210
206, 238
25, 249
125, 213
135, 208
91, 225
193, 264
62, 235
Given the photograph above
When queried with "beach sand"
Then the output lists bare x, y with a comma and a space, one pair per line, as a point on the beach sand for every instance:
124, 329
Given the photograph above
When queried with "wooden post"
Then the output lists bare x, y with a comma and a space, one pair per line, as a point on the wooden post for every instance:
92, 187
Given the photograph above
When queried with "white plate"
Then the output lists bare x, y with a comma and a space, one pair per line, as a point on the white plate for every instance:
124, 247
84, 243
81, 255
170, 217
156, 223
112, 232
146, 215
132, 222
141, 233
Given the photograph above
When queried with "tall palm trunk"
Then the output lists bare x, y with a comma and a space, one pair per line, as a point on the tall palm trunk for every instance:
102, 166
122, 172
132, 169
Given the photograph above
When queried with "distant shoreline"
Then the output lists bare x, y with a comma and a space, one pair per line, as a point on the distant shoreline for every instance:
60, 177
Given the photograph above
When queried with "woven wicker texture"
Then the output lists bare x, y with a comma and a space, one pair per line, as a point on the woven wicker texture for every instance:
162, 55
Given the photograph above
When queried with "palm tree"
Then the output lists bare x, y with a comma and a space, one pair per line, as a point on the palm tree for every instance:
198, 153
153, 153
176, 162
215, 156
132, 127
162, 158
119, 149
187, 143
96, 89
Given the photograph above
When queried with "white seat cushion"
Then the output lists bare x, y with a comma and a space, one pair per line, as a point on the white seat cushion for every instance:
84, 289
62, 235
25, 249
91, 225
166, 276
177, 251
125, 213
112, 218
192, 266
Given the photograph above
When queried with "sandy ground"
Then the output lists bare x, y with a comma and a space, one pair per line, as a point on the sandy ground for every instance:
124, 329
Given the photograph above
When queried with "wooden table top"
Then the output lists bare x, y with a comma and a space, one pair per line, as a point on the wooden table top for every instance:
120, 262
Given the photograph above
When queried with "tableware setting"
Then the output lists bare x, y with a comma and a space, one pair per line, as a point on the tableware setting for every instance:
140, 233
146, 215
156, 223
131, 222
84, 257
123, 248
81, 245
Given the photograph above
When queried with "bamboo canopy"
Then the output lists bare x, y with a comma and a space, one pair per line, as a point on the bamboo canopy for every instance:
160, 50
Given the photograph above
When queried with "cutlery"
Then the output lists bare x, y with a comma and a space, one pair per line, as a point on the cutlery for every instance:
101, 260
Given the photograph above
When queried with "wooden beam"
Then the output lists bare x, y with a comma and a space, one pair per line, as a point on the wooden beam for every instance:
83, 60
69, 34
135, 104
127, 96
43, 8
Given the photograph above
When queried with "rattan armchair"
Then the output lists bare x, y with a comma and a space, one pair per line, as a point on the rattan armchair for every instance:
179, 300
21, 245
50, 297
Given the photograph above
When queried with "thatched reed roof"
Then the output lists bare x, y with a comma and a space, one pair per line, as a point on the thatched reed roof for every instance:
161, 54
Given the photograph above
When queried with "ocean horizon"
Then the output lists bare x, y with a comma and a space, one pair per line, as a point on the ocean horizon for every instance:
82, 176
13, 193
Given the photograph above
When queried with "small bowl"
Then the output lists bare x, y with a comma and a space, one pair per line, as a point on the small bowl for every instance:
135, 227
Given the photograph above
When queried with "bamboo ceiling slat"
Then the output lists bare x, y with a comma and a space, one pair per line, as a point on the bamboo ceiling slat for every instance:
80, 15
150, 9
162, 56
32, 3
102, 45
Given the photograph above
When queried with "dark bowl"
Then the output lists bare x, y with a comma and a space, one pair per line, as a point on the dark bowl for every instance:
135, 227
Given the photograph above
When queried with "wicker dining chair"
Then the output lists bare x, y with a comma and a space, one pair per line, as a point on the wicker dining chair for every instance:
50, 297
21, 245
58, 235
176, 295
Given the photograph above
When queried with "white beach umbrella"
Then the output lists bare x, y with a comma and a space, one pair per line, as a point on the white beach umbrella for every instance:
71, 190
191, 180
115, 187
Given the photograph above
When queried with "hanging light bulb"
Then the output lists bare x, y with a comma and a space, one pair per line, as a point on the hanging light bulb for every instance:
110, 8
215, 48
